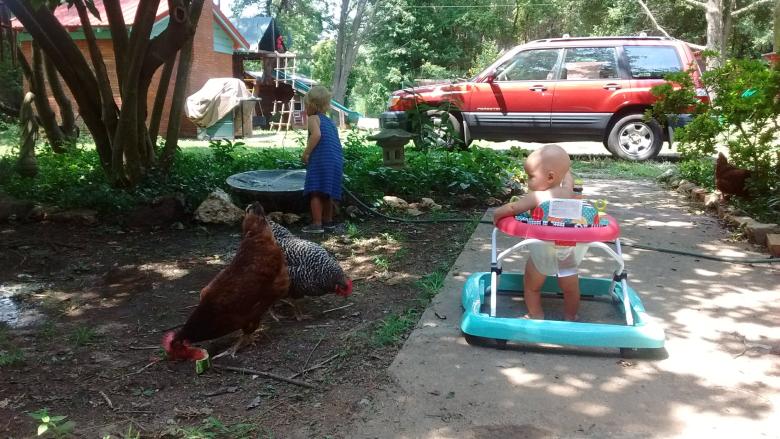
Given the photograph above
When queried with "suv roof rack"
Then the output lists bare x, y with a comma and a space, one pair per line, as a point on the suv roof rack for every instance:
549, 40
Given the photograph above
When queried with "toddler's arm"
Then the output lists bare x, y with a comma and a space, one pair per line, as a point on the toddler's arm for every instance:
314, 137
528, 202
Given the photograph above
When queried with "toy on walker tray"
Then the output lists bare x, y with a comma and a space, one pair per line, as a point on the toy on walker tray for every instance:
564, 222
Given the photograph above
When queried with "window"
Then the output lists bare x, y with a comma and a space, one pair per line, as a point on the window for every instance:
590, 63
529, 65
652, 62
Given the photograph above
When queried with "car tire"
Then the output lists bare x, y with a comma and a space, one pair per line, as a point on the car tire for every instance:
634, 138
449, 136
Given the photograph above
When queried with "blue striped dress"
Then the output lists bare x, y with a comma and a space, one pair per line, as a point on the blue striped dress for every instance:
326, 163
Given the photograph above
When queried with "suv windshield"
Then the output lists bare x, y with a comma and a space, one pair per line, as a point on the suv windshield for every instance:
652, 62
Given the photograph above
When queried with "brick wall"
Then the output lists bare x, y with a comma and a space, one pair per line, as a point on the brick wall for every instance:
206, 64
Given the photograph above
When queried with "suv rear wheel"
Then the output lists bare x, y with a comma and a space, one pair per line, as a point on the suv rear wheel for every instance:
634, 138
441, 129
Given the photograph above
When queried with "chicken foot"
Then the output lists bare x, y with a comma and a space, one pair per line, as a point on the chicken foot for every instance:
243, 341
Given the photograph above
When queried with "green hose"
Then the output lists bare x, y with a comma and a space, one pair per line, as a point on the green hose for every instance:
363, 206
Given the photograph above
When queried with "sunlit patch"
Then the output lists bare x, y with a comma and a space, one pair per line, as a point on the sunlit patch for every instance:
522, 377
166, 270
591, 408
564, 391
703, 272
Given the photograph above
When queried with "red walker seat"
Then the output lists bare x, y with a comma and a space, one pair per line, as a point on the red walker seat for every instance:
514, 227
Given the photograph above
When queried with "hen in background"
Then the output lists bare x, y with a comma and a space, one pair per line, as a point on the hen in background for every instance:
729, 179
313, 271
239, 295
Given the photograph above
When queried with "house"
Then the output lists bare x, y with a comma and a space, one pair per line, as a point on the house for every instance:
215, 40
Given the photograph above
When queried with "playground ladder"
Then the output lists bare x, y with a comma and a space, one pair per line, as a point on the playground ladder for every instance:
285, 68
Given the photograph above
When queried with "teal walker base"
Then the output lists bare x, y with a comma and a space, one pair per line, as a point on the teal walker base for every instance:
603, 331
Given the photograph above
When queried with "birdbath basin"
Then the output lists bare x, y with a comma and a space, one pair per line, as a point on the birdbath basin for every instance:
276, 189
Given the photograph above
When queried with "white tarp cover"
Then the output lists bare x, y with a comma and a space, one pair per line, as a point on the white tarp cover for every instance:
214, 100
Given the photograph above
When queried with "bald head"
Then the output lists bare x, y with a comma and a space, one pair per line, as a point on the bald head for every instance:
548, 164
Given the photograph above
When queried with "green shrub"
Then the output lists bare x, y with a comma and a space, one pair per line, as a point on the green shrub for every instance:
743, 115
76, 179
700, 171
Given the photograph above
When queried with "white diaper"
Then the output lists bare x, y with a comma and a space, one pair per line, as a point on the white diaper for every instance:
556, 260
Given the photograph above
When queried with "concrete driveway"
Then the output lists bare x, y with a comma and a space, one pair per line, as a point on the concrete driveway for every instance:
720, 380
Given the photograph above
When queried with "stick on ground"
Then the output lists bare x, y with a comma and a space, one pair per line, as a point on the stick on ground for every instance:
264, 374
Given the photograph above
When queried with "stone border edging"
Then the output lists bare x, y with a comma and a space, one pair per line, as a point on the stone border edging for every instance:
764, 234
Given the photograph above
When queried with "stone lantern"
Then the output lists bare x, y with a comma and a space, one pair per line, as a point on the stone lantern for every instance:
392, 141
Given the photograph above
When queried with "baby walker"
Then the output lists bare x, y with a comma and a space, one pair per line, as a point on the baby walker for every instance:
634, 333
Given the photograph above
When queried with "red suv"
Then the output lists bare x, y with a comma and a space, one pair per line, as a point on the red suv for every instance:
555, 90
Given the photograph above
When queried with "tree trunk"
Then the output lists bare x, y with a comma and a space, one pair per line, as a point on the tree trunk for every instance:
177, 105
63, 102
776, 45
159, 100
45, 113
350, 37
714, 15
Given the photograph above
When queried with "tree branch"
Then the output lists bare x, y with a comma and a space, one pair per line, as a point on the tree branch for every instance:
696, 3
116, 22
652, 18
662, 30
750, 7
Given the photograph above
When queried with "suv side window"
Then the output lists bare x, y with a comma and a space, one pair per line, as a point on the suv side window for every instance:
590, 63
652, 62
529, 65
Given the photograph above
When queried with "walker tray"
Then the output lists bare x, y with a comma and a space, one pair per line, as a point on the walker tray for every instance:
477, 322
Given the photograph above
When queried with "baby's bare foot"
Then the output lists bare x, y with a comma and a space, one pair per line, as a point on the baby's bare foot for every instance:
534, 316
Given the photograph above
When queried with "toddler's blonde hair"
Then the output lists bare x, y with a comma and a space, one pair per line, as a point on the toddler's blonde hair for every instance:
318, 98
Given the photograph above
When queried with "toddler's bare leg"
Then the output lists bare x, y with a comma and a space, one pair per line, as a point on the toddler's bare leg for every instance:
316, 203
327, 210
532, 290
570, 285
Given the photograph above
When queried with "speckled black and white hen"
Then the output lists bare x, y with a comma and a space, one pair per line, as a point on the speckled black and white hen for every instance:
313, 271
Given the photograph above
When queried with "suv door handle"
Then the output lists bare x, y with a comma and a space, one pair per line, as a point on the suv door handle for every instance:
611, 86
538, 88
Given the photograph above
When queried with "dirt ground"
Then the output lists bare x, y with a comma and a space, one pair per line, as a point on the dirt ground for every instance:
89, 306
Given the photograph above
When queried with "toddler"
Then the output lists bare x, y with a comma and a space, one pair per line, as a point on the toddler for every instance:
548, 177
324, 162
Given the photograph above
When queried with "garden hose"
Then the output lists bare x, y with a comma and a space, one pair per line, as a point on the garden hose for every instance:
366, 208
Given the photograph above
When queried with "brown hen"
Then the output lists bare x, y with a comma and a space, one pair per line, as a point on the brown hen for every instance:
239, 295
729, 179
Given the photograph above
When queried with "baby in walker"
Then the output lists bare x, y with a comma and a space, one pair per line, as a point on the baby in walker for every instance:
548, 177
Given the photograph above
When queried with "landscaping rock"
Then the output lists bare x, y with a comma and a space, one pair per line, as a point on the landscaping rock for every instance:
466, 201
218, 209
352, 211
395, 202
413, 212
667, 176
675, 182
685, 187
428, 203
712, 200
15, 210
493, 202
773, 244
757, 232
699, 194
737, 220
85, 217
276, 217
162, 211
290, 218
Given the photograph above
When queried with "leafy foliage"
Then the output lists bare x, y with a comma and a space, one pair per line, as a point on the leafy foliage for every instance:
743, 116
52, 424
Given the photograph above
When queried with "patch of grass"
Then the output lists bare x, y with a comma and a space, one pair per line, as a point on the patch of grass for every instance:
607, 167
11, 356
83, 336
382, 262
46, 331
213, 428
431, 284
353, 231
391, 330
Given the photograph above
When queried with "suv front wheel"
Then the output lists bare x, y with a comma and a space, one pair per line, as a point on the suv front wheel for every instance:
634, 138
440, 129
